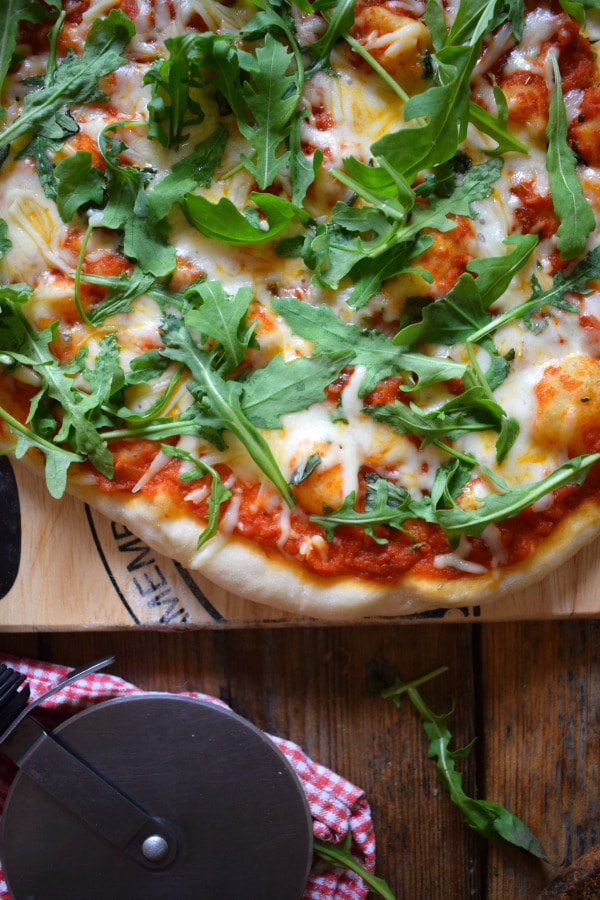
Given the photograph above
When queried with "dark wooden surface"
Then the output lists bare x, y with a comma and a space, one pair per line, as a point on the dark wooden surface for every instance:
529, 691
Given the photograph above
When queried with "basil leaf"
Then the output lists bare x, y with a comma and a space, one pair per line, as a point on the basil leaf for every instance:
75, 79
572, 209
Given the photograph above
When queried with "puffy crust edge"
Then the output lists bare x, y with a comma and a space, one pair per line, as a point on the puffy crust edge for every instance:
251, 571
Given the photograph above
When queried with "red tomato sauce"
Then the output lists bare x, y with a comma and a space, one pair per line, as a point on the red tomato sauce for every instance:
351, 552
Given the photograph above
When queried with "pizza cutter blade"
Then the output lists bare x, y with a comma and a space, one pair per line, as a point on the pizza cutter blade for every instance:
235, 823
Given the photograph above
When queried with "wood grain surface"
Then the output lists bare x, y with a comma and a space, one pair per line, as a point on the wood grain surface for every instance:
528, 690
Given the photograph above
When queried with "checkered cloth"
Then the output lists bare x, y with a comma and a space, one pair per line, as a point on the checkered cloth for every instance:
336, 805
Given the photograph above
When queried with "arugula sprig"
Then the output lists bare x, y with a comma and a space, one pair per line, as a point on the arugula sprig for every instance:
489, 819
75, 80
219, 494
575, 214
339, 855
220, 401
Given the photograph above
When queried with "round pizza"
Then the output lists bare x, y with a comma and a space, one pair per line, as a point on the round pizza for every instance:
307, 294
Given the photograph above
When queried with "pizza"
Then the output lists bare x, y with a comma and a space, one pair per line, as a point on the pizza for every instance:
307, 294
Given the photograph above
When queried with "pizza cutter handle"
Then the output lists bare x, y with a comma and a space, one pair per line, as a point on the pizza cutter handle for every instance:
150, 841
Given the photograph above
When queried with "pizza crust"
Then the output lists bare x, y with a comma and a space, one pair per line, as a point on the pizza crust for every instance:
247, 570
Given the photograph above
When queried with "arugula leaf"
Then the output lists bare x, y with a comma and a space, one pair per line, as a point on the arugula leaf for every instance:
25, 346
123, 290
222, 318
576, 281
462, 314
339, 24
370, 349
444, 107
174, 105
576, 216
5, 241
472, 410
340, 855
305, 468
224, 222
516, 15
195, 170
576, 8
287, 387
11, 13
271, 96
75, 80
221, 399
78, 183
453, 319
218, 492
385, 504
369, 274
57, 460
495, 273
498, 507
50, 136
144, 239
496, 127
489, 819
302, 170
15, 293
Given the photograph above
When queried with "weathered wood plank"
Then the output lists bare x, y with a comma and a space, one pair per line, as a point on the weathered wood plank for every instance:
320, 687
541, 717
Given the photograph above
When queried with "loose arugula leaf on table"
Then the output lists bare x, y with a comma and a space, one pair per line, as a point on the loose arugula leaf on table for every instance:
195, 170
221, 400
370, 349
385, 504
223, 221
175, 103
78, 183
498, 507
222, 318
576, 216
489, 819
218, 492
75, 80
286, 387
339, 855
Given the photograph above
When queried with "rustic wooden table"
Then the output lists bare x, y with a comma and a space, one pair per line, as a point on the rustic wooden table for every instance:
529, 691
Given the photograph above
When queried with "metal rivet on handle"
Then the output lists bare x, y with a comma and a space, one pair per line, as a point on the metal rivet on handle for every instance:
155, 848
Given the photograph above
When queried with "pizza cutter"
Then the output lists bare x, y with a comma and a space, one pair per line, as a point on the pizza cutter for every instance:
152, 797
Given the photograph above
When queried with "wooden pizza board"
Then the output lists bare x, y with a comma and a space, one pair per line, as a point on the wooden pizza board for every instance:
78, 570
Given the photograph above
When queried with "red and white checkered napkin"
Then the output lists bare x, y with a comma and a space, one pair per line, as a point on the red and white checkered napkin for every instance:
335, 804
